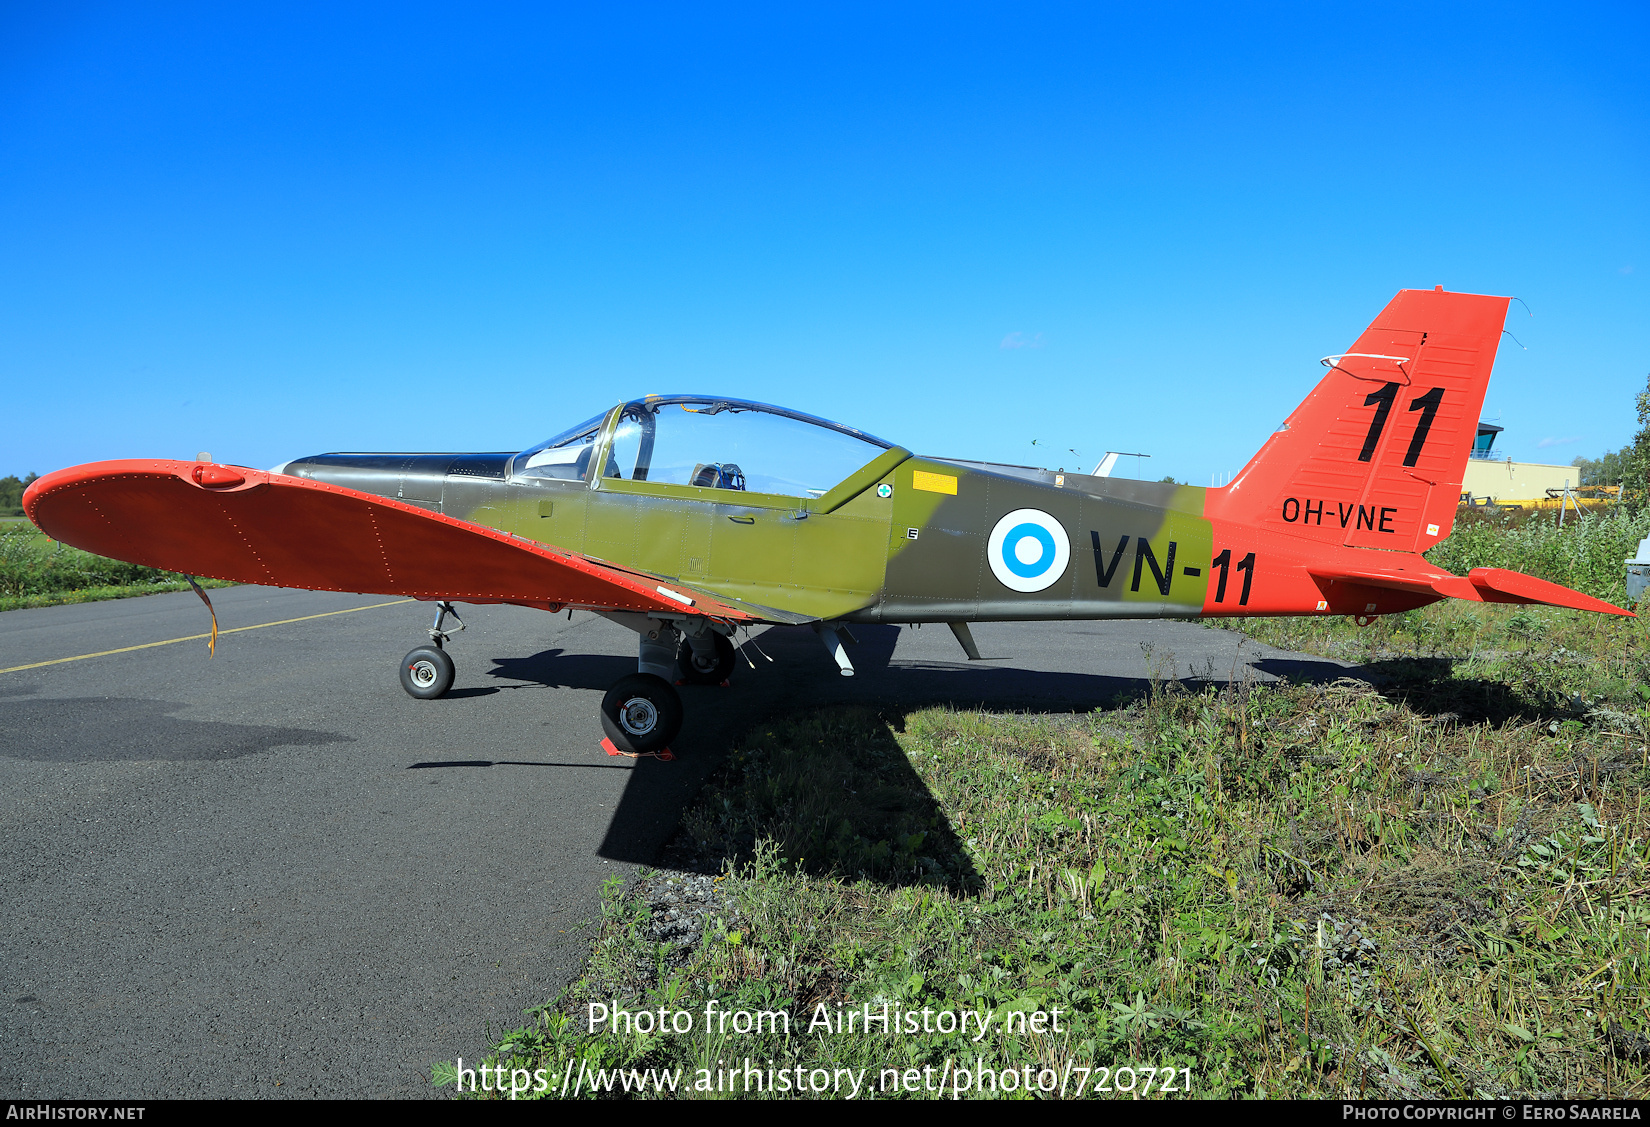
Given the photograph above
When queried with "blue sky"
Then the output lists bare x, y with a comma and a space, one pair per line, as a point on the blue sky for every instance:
273, 230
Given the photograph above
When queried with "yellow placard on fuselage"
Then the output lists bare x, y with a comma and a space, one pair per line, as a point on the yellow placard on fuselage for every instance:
933, 482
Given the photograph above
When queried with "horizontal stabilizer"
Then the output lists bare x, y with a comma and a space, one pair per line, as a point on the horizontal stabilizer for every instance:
1481, 585
249, 526
1399, 579
1516, 586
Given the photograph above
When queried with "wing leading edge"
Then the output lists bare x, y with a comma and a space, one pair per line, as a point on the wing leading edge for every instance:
250, 526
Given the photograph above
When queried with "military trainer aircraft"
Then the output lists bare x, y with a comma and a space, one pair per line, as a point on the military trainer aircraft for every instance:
689, 517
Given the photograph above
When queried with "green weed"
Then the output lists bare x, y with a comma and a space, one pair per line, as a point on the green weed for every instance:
35, 571
1317, 892
1586, 553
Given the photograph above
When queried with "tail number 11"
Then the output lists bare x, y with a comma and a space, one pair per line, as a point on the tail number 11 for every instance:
1382, 402
1245, 565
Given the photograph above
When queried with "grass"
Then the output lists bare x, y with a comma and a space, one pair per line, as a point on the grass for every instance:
1552, 655
38, 572
1435, 889
1429, 881
1585, 553
1568, 663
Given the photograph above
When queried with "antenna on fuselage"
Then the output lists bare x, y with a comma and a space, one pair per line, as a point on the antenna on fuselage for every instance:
1109, 462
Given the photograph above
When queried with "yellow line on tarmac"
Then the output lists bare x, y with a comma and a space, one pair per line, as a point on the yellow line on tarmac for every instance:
198, 637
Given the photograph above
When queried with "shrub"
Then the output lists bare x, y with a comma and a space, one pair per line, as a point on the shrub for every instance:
1586, 554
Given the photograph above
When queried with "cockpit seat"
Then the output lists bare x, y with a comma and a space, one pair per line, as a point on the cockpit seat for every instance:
718, 475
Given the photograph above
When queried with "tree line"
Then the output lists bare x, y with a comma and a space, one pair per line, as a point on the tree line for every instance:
11, 490
1628, 467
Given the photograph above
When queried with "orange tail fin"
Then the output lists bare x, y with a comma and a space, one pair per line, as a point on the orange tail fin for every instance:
1374, 457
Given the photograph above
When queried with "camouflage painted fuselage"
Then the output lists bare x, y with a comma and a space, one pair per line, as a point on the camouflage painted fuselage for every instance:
904, 539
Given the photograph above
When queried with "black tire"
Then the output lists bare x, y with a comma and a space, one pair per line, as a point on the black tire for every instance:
641, 713
697, 672
427, 672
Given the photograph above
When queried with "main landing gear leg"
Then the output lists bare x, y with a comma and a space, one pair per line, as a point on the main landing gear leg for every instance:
427, 672
705, 658
641, 713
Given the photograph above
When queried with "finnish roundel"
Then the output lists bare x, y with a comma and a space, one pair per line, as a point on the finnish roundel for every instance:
1028, 550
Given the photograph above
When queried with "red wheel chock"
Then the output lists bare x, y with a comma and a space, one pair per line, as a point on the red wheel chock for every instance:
664, 755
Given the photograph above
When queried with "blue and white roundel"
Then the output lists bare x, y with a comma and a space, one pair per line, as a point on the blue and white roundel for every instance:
1028, 550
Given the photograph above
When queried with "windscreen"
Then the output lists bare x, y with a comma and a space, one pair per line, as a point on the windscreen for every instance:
720, 445
566, 456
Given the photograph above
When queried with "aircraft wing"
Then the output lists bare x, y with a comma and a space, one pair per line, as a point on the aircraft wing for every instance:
1482, 584
249, 526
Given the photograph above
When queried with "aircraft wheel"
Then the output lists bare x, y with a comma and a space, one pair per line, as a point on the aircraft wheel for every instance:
427, 672
698, 671
641, 713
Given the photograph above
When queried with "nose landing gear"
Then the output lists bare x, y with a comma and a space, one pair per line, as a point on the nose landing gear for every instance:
427, 672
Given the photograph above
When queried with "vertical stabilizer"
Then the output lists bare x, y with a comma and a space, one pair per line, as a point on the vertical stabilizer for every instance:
1374, 457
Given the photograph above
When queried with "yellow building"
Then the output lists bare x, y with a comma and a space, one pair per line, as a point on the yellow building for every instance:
1508, 482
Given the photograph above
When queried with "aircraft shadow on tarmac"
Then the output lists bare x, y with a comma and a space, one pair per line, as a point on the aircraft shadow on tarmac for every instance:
558, 669
801, 677
514, 763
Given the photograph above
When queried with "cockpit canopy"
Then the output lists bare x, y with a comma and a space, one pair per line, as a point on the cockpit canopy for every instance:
706, 441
